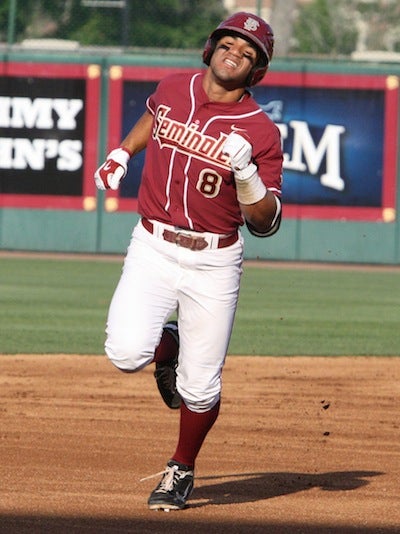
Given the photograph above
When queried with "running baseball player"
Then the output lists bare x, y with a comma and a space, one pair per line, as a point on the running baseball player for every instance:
213, 163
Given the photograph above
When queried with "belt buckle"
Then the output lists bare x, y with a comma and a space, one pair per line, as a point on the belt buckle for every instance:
185, 240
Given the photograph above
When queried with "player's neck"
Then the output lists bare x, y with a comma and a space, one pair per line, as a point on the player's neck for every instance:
219, 92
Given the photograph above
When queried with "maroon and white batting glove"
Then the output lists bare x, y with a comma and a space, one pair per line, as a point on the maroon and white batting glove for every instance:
249, 186
113, 170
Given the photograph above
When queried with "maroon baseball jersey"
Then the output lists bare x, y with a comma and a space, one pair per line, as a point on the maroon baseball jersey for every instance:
187, 180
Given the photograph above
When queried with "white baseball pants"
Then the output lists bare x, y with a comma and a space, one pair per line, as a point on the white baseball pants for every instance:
159, 278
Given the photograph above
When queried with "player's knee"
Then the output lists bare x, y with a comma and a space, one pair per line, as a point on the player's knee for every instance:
199, 391
200, 404
128, 357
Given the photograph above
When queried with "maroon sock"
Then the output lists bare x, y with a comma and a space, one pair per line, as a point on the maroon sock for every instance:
194, 428
167, 349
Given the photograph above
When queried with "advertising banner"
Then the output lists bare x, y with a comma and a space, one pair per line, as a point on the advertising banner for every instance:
48, 135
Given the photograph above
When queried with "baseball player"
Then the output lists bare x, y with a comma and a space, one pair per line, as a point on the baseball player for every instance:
213, 163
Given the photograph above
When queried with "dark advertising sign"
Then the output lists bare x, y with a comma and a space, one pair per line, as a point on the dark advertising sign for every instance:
48, 135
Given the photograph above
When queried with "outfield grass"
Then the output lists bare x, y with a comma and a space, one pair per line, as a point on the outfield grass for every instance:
318, 312
60, 306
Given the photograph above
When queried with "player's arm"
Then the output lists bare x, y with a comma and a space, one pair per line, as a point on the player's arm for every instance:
136, 140
261, 208
114, 169
263, 218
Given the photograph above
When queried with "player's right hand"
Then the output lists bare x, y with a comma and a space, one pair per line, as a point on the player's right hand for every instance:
113, 170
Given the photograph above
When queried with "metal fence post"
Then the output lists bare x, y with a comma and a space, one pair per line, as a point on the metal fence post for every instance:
11, 22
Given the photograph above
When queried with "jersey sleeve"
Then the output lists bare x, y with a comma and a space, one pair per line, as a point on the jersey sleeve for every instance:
162, 87
150, 104
269, 160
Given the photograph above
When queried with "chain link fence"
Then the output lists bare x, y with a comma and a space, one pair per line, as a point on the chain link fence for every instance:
336, 28
109, 23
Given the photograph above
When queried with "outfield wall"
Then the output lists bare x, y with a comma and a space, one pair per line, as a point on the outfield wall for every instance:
59, 115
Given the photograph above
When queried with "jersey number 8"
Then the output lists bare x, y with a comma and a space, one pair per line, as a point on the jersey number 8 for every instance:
209, 183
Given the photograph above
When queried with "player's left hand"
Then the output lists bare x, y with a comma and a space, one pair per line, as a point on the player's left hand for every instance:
113, 170
239, 150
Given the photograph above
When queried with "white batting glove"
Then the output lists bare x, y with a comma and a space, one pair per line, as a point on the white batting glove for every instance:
240, 151
113, 170
249, 186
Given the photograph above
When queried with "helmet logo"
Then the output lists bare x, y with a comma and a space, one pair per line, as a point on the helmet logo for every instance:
251, 25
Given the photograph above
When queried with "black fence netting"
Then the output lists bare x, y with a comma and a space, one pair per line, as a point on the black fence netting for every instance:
337, 28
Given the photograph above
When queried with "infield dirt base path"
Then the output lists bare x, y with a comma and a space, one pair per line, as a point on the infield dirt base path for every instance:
302, 445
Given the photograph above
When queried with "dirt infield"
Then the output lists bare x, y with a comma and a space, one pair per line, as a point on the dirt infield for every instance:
302, 444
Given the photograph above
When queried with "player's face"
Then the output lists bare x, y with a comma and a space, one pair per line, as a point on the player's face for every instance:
233, 59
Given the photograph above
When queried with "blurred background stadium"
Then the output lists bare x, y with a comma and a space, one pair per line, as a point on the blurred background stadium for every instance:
337, 28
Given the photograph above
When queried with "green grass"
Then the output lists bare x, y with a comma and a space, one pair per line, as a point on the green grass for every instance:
60, 306
318, 312
55, 306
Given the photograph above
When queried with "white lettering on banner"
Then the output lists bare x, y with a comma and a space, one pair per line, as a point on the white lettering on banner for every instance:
306, 155
70, 155
41, 113
24, 153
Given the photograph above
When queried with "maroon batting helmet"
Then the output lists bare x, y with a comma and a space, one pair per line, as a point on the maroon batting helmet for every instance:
252, 28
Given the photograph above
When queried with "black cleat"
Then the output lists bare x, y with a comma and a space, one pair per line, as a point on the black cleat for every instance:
174, 488
165, 373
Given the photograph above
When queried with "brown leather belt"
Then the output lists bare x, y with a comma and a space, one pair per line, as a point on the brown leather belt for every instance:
192, 242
